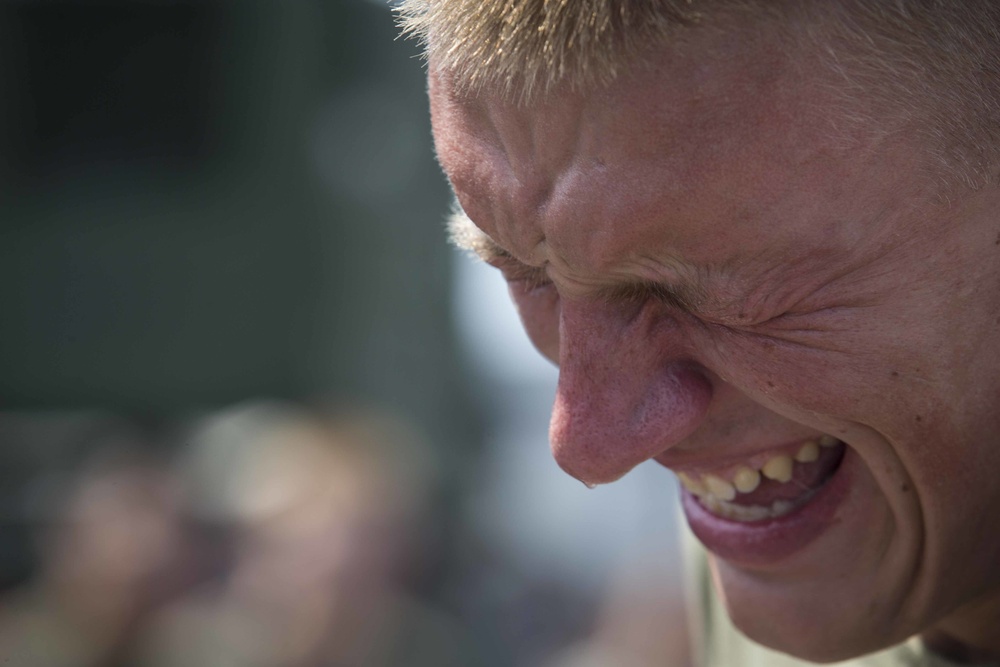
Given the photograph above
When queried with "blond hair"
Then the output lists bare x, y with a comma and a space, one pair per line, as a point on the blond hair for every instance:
926, 66
529, 46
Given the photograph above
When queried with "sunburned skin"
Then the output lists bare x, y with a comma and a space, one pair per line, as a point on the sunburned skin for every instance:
722, 276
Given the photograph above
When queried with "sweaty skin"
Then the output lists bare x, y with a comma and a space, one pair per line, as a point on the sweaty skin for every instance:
720, 266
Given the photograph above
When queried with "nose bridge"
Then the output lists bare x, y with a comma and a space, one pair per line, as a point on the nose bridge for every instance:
628, 390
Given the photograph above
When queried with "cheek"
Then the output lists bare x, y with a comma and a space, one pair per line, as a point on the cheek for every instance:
539, 311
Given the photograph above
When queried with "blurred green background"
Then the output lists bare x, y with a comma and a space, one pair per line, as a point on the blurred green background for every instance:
205, 201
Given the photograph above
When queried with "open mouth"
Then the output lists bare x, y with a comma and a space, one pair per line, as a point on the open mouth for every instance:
769, 507
767, 489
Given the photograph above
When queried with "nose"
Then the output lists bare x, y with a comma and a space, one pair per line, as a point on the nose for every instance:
628, 390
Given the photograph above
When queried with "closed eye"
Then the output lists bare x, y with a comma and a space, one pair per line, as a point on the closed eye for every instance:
464, 235
530, 277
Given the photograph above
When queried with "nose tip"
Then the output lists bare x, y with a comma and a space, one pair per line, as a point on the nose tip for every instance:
629, 387
602, 427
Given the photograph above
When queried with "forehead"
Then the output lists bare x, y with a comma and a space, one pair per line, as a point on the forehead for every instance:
715, 154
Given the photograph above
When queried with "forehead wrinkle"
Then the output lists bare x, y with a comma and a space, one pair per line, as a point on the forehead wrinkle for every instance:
581, 228
534, 149
691, 296
541, 139
474, 151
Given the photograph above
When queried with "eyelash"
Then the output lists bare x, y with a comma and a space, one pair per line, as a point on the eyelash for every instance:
516, 272
534, 278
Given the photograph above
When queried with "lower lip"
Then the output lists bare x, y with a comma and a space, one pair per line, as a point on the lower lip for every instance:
761, 544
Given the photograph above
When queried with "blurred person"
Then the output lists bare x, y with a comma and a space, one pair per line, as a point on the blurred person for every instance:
109, 555
761, 240
327, 514
641, 623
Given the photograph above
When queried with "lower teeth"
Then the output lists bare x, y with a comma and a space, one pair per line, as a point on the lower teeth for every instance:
748, 513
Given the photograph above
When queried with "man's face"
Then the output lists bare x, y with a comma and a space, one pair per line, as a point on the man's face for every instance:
774, 303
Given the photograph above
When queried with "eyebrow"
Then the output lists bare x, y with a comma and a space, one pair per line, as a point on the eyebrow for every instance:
465, 235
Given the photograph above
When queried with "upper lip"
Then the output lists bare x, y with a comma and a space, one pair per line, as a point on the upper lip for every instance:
706, 460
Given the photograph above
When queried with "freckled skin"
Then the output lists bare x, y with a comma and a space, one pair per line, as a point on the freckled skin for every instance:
838, 294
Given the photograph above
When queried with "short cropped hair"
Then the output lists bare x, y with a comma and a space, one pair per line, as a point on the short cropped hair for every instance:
926, 66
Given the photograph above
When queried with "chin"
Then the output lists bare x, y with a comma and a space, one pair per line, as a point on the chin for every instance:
821, 622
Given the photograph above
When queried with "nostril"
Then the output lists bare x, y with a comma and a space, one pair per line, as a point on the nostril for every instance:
603, 427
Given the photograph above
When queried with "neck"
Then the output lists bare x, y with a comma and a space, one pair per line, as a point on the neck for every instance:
957, 651
968, 636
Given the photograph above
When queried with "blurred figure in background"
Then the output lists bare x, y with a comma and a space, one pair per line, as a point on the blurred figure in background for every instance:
110, 552
328, 514
641, 623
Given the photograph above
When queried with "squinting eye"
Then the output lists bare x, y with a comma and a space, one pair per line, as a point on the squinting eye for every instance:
527, 277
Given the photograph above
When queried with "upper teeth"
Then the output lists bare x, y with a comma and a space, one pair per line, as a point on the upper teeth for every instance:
808, 453
745, 479
779, 468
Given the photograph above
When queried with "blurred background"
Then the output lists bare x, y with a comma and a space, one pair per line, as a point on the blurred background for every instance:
253, 409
